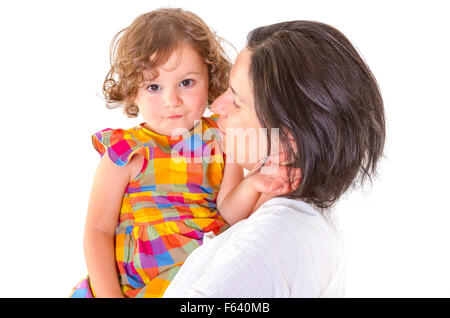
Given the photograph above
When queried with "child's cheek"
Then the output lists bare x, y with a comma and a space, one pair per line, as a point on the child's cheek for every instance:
197, 102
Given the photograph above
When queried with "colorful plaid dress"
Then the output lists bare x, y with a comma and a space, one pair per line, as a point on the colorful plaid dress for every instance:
167, 208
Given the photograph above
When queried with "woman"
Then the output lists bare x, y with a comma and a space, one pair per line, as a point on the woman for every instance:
306, 79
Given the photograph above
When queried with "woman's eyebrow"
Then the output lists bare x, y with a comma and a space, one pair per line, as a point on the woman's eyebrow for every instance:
236, 95
234, 92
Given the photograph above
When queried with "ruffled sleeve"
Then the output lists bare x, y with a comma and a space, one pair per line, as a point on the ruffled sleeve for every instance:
120, 144
211, 120
211, 130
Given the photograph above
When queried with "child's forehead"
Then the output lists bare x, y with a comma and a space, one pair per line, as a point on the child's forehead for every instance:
182, 59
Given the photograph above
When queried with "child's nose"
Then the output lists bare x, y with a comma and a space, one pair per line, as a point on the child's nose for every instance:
171, 98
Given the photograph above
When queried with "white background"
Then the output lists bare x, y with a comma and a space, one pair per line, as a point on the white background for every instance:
54, 57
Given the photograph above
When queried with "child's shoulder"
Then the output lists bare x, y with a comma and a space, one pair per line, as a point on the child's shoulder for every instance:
120, 144
117, 133
210, 121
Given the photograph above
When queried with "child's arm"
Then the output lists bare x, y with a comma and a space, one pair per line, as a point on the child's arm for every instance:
239, 202
105, 201
236, 197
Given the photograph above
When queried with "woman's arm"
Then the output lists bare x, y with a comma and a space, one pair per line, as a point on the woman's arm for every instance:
105, 201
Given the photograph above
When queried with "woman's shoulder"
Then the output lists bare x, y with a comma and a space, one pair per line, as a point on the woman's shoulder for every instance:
279, 213
294, 237
282, 222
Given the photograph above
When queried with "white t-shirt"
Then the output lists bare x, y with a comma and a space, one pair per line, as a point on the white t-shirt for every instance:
284, 249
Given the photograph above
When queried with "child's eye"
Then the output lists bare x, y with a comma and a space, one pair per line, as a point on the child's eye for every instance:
154, 88
187, 82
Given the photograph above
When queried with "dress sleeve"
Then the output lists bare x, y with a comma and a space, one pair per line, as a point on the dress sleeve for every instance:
212, 120
120, 145
212, 132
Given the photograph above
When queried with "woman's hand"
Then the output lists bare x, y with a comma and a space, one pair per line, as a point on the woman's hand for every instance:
273, 176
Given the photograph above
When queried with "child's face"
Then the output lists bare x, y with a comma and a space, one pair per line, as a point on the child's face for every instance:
178, 96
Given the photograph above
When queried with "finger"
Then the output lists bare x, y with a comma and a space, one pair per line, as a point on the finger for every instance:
294, 174
297, 172
258, 165
278, 158
278, 186
288, 187
270, 169
281, 174
283, 190
282, 157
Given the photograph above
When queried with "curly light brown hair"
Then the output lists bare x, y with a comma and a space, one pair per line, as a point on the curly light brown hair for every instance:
148, 43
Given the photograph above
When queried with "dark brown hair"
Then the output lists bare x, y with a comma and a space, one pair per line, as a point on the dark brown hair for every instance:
148, 43
309, 81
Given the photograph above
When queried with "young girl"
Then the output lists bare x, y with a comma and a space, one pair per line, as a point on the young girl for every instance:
167, 66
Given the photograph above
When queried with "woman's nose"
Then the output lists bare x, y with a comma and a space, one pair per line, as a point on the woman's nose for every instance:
218, 106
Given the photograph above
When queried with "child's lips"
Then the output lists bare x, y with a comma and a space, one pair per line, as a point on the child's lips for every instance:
175, 116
